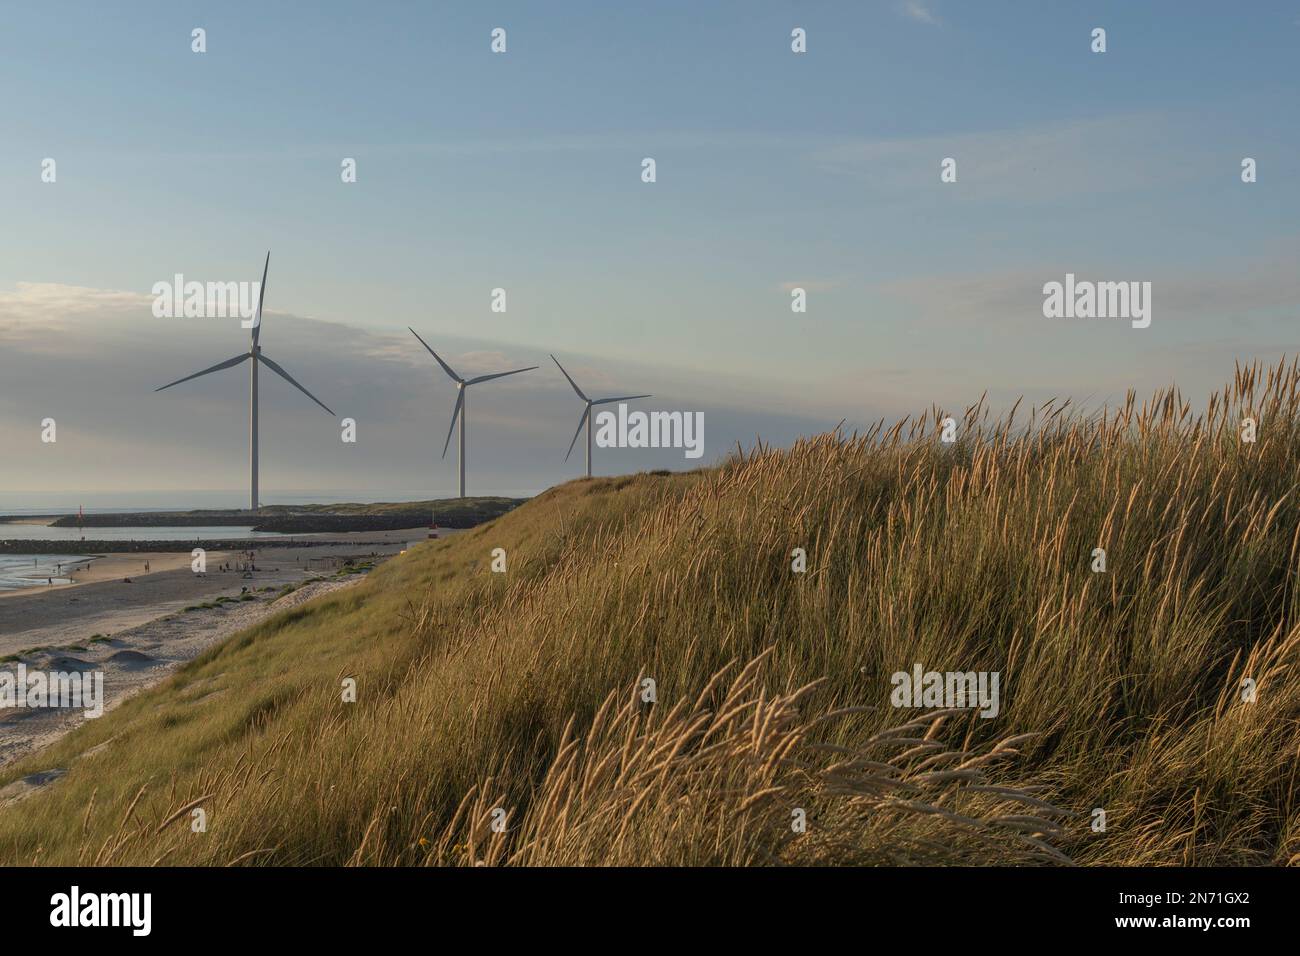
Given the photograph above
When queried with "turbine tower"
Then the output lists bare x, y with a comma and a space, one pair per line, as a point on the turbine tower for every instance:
459, 410
586, 412
255, 354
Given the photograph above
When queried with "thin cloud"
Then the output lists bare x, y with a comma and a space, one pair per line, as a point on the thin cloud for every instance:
1008, 299
809, 285
91, 359
915, 10
1045, 162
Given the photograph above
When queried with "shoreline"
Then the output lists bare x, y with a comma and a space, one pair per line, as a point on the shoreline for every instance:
111, 567
178, 546
131, 661
117, 594
121, 559
139, 633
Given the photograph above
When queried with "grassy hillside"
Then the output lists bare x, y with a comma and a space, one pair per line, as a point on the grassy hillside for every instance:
522, 691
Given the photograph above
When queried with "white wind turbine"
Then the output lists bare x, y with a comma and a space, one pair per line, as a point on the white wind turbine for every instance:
255, 354
459, 410
586, 412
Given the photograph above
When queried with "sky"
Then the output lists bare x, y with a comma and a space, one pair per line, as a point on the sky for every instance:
523, 171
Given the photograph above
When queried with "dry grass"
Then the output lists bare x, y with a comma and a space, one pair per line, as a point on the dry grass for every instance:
521, 692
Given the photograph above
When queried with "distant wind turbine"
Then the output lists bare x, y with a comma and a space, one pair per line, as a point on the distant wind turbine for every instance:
255, 353
459, 410
586, 412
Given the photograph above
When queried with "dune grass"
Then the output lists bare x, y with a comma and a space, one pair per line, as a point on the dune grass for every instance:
503, 717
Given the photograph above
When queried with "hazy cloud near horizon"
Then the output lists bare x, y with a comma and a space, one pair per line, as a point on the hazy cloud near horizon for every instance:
91, 359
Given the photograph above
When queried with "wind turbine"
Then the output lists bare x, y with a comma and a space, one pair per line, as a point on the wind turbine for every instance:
255, 353
586, 412
459, 410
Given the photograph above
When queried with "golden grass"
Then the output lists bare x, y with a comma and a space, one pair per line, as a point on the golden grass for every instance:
486, 696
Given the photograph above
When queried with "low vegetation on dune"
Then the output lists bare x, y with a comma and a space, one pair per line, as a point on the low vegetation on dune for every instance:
652, 681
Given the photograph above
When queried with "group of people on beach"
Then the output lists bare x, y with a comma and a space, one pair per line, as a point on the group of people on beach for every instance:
246, 565
58, 569
236, 566
249, 564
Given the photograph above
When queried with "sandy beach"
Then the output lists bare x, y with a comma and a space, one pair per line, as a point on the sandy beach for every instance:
116, 593
138, 632
130, 661
114, 567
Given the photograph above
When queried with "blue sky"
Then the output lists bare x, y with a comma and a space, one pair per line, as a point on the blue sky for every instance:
522, 171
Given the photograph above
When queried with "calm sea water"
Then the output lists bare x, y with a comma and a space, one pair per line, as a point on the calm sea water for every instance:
39, 532
26, 570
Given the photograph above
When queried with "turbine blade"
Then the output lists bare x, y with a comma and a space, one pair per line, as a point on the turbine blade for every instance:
624, 398
289, 378
460, 400
445, 367
261, 294
488, 378
581, 421
228, 363
570, 378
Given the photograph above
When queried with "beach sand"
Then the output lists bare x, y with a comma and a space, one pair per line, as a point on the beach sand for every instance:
114, 567
132, 660
102, 602
137, 633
